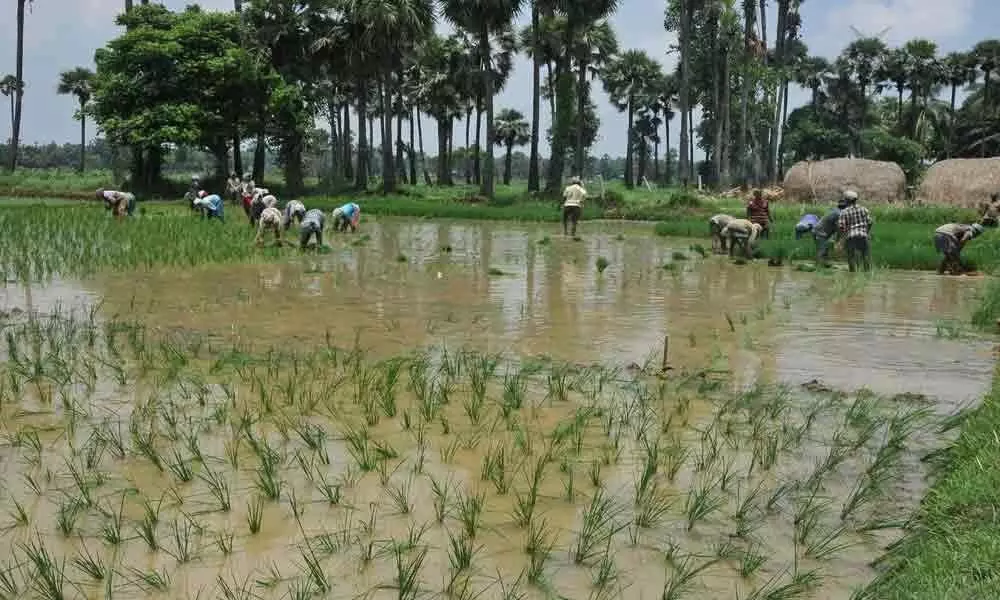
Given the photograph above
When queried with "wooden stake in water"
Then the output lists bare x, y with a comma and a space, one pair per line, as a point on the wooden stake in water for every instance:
666, 351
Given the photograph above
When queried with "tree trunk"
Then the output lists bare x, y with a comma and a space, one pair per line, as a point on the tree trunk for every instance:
726, 147
666, 152
413, 151
716, 96
451, 148
370, 154
749, 17
692, 168
128, 5
564, 117
581, 105
237, 154
400, 157
238, 5
468, 153
361, 173
477, 176
486, 186
83, 141
507, 160
629, 144
656, 157
260, 156
388, 159
346, 140
684, 95
420, 145
951, 123
779, 50
443, 170
534, 183
781, 133
15, 137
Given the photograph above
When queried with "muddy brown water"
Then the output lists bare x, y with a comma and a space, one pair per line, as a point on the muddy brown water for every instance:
895, 333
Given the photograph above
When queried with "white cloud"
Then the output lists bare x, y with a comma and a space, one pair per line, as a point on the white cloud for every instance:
900, 20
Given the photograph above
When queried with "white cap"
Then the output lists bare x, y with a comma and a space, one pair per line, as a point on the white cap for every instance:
850, 195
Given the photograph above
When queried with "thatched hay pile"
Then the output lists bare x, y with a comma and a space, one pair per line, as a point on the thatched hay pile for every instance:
965, 182
824, 181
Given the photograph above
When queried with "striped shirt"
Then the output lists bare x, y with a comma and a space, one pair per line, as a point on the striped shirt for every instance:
759, 212
313, 221
855, 221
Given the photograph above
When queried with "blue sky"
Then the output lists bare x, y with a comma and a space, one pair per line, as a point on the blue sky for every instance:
62, 34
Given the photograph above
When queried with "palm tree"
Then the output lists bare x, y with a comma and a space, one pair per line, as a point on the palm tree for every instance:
77, 82
534, 182
666, 101
895, 69
987, 53
511, 130
925, 75
8, 87
959, 70
594, 46
484, 18
626, 80
18, 89
810, 73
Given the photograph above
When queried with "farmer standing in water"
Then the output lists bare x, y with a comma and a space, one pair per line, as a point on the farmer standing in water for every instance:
741, 232
210, 205
572, 209
949, 240
759, 212
855, 224
825, 232
806, 224
119, 203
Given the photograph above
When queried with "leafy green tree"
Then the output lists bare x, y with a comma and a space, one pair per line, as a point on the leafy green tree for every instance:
77, 83
511, 130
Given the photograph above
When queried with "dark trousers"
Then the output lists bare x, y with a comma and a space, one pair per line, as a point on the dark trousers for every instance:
858, 253
949, 246
570, 217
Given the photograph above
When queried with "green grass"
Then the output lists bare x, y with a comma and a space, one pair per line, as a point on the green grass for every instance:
952, 547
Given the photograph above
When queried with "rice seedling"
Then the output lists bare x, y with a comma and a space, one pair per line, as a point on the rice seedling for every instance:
469, 511
407, 579
540, 543
19, 514
400, 497
151, 581
224, 542
218, 487
701, 502
514, 391
606, 573
255, 514
826, 544
602, 264
751, 560
67, 515
180, 467
674, 456
800, 586
236, 591
651, 509
600, 525
524, 504
49, 575
682, 579
90, 564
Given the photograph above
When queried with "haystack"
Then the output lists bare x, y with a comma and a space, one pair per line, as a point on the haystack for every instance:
965, 182
824, 181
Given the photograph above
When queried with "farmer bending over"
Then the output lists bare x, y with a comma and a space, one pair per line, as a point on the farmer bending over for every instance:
715, 226
855, 224
759, 212
193, 188
294, 211
261, 199
742, 232
949, 240
346, 216
312, 225
233, 187
825, 232
805, 225
247, 189
210, 205
119, 203
991, 216
270, 219
573, 197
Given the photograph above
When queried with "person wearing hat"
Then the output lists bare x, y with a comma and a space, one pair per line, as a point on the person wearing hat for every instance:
294, 211
742, 232
991, 214
270, 220
312, 225
119, 203
825, 232
855, 225
949, 239
210, 205
348, 215
193, 188
262, 199
715, 226
572, 209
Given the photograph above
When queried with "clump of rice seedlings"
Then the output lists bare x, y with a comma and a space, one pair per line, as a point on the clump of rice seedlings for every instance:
675, 454
600, 524
800, 586
407, 579
69, 511
558, 384
218, 487
808, 513
651, 509
50, 576
144, 441
236, 591
19, 514
361, 449
90, 564
539, 546
442, 496
400, 497
682, 579
151, 581
871, 483
602, 264
827, 543
9, 586
180, 467
496, 468
751, 560
595, 473
182, 533
513, 590
224, 542
514, 390
255, 514
605, 574
385, 390
747, 507
469, 511
701, 502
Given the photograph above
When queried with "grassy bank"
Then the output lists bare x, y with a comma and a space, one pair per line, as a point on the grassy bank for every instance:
952, 547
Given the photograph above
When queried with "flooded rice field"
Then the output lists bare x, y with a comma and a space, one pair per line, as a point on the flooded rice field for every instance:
474, 411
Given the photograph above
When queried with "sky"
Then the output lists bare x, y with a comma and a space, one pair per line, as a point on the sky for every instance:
62, 34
